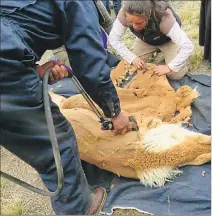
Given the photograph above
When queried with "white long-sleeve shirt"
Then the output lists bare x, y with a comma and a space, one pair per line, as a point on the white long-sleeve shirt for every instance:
169, 26
185, 45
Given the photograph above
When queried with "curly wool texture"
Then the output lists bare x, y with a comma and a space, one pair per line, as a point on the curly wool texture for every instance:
152, 154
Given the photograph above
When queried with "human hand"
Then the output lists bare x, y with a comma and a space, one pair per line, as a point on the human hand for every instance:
162, 70
58, 71
139, 63
121, 124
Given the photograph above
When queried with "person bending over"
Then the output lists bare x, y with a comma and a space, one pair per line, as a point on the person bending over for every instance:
156, 26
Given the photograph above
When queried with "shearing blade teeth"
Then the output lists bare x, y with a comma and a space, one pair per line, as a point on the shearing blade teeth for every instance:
127, 79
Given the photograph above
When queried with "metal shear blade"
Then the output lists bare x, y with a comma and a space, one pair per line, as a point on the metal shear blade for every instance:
127, 79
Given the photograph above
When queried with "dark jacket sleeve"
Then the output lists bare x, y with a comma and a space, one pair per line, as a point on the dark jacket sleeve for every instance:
82, 40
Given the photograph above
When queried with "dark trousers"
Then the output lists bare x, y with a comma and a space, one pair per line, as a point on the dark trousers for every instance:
23, 129
205, 28
116, 4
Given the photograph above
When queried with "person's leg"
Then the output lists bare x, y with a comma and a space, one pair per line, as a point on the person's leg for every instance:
117, 6
106, 21
142, 49
24, 133
23, 127
177, 75
107, 5
170, 50
104, 2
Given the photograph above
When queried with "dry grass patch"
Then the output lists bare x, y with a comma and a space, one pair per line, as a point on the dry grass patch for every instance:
13, 209
190, 13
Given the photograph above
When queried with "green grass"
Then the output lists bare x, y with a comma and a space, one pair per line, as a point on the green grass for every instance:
4, 182
189, 14
13, 209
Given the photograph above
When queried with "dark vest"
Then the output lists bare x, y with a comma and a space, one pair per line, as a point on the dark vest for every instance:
151, 34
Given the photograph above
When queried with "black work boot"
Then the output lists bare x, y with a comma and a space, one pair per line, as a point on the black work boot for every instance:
98, 198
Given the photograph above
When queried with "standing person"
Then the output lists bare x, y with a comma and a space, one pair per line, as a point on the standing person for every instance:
205, 28
116, 5
105, 19
28, 29
156, 26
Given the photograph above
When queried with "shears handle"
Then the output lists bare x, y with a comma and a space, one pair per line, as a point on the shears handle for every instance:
108, 125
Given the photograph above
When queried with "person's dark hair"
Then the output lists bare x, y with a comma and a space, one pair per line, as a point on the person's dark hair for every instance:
146, 8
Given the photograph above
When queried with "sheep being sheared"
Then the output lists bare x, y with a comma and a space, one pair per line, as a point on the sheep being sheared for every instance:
152, 154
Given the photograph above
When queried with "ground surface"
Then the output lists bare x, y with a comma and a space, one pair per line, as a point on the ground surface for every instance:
16, 200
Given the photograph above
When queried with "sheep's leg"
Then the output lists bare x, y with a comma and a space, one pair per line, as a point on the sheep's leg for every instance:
202, 159
183, 116
204, 139
185, 96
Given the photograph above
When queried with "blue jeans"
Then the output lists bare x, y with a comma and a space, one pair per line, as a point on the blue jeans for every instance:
116, 4
23, 129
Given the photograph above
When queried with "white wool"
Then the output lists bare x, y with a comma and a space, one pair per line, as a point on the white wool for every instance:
158, 140
157, 177
164, 137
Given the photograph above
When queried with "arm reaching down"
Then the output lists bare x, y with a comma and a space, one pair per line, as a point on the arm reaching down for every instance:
82, 40
118, 30
185, 45
84, 45
172, 29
